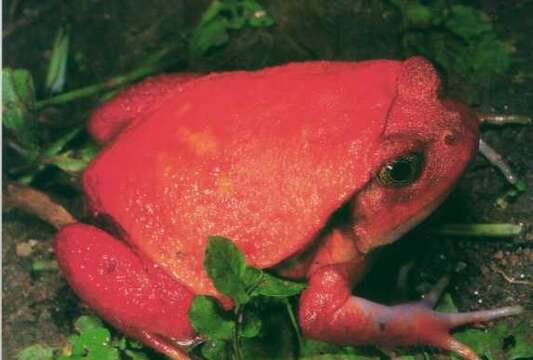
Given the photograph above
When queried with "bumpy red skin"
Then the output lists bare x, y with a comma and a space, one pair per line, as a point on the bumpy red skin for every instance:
133, 103
263, 158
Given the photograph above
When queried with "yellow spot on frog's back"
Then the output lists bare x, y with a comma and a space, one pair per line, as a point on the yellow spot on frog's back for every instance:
183, 108
201, 143
224, 185
166, 165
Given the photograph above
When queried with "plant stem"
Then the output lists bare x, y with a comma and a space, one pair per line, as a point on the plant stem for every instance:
236, 347
480, 230
100, 87
294, 324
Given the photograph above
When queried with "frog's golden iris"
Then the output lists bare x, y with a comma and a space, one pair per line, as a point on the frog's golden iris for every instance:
402, 171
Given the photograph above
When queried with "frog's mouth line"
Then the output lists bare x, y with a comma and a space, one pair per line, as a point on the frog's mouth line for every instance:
340, 219
400, 230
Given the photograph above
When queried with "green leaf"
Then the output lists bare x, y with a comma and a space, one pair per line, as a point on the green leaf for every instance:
251, 278
460, 39
521, 185
482, 342
319, 350
88, 152
523, 348
36, 352
522, 338
97, 336
207, 318
136, 355
269, 285
72, 161
446, 304
57, 67
18, 100
215, 350
468, 22
225, 265
58, 145
212, 11
87, 323
251, 325
68, 163
208, 36
93, 344
418, 14
221, 17
490, 342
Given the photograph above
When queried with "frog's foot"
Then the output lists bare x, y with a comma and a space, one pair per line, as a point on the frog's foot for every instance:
130, 292
133, 103
329, 312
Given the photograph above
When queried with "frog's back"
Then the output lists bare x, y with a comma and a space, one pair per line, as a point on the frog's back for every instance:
262, 158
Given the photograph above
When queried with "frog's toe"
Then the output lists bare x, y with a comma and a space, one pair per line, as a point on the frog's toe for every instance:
434, 327
329, 312
130, 292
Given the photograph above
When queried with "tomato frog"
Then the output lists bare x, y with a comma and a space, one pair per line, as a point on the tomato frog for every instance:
307, 167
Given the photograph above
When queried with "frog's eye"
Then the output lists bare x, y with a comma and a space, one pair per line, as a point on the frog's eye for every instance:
401, 171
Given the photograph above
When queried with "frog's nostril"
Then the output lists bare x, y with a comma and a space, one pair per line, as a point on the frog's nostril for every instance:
450, 137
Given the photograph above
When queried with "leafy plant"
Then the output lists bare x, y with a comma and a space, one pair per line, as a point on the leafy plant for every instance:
222, 17
18, 103
93, 341
489, 343
36, 352
459, 38
24, 137
231, 276
227, 332
57, 70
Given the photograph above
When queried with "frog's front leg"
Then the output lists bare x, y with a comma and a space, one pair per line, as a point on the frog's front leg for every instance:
130, 292
329, 312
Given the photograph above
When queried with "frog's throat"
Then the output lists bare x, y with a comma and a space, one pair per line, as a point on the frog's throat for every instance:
400, 230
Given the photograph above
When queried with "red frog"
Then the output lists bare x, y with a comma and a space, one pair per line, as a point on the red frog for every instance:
306, 167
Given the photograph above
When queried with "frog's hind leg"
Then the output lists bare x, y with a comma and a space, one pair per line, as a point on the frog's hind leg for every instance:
130, 292
132, 104
329, 312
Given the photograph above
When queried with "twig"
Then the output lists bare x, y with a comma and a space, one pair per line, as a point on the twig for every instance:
500, 119
496, 159
37, 203
508, 278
